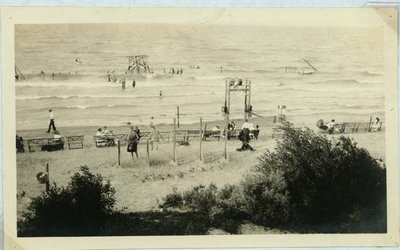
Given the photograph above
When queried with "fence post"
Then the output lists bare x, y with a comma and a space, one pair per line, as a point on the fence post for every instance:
48, 177
119, 151
201, 139
177, 114
226, 138
174, 140
148, 152
369, 124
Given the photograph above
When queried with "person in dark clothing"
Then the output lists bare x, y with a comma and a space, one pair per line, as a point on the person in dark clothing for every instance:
244, 137
20, 144
133, 142
256, 132
51, 124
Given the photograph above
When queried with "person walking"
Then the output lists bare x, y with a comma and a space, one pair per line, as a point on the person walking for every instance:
51, 124
133, 142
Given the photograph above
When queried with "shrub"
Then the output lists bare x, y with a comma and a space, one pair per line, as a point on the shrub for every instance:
311, 181
201, 198
79, 209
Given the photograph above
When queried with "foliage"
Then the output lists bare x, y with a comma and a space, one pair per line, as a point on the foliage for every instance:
81, 208
309, 183
313, 183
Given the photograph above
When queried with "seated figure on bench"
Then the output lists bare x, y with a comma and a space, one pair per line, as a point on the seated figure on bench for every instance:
216, 131
108, 136
56, 144
376, 126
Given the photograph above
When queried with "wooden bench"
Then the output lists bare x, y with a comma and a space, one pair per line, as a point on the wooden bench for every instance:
212, 134
44, 144
75, 142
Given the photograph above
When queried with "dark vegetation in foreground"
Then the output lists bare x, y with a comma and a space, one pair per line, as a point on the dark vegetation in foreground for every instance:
308, 184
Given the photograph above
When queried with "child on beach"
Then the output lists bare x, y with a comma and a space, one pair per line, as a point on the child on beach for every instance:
133, 142
256, 132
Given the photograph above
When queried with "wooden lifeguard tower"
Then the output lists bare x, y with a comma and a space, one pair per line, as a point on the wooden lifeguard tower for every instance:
138, 64
238, 85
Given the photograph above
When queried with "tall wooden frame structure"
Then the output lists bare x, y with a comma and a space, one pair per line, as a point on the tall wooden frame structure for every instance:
138, 64
238, 85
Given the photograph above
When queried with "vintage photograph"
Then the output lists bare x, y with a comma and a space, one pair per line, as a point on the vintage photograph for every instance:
200, 128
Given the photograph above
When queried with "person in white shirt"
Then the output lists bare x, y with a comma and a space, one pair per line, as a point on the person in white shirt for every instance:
51, 124
59, 140
376, 126
99, 133
246, 124
331, 126
105, 131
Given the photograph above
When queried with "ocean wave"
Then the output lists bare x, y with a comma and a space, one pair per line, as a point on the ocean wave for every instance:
90, 106
353, 81
23, 98
367, 73
210, 77
67, 84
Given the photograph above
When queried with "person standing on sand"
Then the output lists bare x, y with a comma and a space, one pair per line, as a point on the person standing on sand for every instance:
133, 142
51, 124
155, 136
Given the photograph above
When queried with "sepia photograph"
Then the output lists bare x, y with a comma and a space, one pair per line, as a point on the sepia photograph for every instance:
237, 124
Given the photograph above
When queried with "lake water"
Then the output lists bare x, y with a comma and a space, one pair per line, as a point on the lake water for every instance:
348, 86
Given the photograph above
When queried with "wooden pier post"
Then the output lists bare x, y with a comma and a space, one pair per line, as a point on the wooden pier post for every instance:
148, 152
174, 141
201, 139
119, 151
48, 177
226, 139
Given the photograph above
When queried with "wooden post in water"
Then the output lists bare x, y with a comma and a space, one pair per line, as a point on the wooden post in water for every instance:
226, 139
148, 152
174, 141
48, 177
201, 139
119, 151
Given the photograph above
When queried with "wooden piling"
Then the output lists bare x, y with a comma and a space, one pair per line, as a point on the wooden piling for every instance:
201, 139
48, 177
174, 141
119, 151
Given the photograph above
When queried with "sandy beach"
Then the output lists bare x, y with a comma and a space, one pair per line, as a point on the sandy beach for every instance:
141, 188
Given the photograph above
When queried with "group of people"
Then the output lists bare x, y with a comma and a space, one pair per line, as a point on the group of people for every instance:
134, 138
245, 135
333, 128
107, 135
330, 127
178, 71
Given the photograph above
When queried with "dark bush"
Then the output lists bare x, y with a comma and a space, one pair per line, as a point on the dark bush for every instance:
312, 183
79, 209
